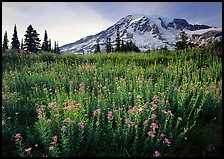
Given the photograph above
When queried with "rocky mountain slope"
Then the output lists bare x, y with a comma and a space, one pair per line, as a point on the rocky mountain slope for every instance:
147, 32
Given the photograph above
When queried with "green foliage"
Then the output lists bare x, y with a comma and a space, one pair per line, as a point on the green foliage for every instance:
89, 105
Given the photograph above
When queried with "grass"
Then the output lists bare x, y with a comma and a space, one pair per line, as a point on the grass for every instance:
115, 104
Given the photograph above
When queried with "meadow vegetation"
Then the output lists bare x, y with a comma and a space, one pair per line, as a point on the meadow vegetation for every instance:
160, 104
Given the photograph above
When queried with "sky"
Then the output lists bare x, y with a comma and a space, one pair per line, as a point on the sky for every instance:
67, 22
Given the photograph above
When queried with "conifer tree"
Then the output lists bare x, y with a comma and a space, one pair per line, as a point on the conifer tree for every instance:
97, 50
108, 45
118, 40
122, 45
5, 42
57, 49
31, 42
49, 46
45, 43
22, 47
15, 40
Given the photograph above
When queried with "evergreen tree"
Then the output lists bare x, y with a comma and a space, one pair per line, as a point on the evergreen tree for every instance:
183, 43
122, 45
22, 44
49, 46
36, 41
45, 43
15, 40
97, 50
31, 42
57, 49
5, 42
118, 49
108, 45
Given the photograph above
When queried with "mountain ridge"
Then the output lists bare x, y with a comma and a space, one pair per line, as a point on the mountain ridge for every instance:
147, 32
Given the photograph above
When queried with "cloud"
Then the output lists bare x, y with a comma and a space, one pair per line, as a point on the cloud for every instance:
64, 22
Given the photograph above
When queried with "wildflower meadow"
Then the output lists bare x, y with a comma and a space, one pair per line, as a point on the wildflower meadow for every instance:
119, 105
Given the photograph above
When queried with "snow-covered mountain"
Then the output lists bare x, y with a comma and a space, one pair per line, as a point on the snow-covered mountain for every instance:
147, 32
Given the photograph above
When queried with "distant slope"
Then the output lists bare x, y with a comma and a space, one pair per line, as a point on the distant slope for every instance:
147, 32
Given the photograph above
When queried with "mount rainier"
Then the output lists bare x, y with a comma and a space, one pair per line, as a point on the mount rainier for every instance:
147, 32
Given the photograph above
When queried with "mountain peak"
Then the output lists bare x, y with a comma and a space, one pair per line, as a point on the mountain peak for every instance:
146, 31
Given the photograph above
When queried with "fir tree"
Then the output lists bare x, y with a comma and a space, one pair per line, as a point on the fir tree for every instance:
97, 50
108, 45
5, 42
118, 40
31, 42
122, 45
57, 49
49, 46
15, 40
45, 43
22, 47
36, 41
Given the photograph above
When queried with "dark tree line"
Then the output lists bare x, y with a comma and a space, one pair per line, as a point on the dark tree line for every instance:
31, 42
120, 45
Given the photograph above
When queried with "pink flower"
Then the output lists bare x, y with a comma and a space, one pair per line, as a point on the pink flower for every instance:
70, 93
96, 112
165, 140
121, 119
157, 154
97, 123
134, 109
150, 133
153, 116
68, 120
18, 137
110, 116
48, 121
28, 150
55, 138
127, 121
162, 135
81, 125
51, 148
56, 91
169, 112
70, 82
145, 122
63, 128
154, 125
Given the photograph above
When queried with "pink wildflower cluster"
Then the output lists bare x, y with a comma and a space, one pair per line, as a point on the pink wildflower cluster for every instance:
166, 141
134, 109
63, 128
40, 111
167, 112
154, 106
81, 86
81, 125
97, 112
157, 154
55, 139
110, 115
68, 120
154, 126
18, 137
128, 121
151, 133
53, 104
